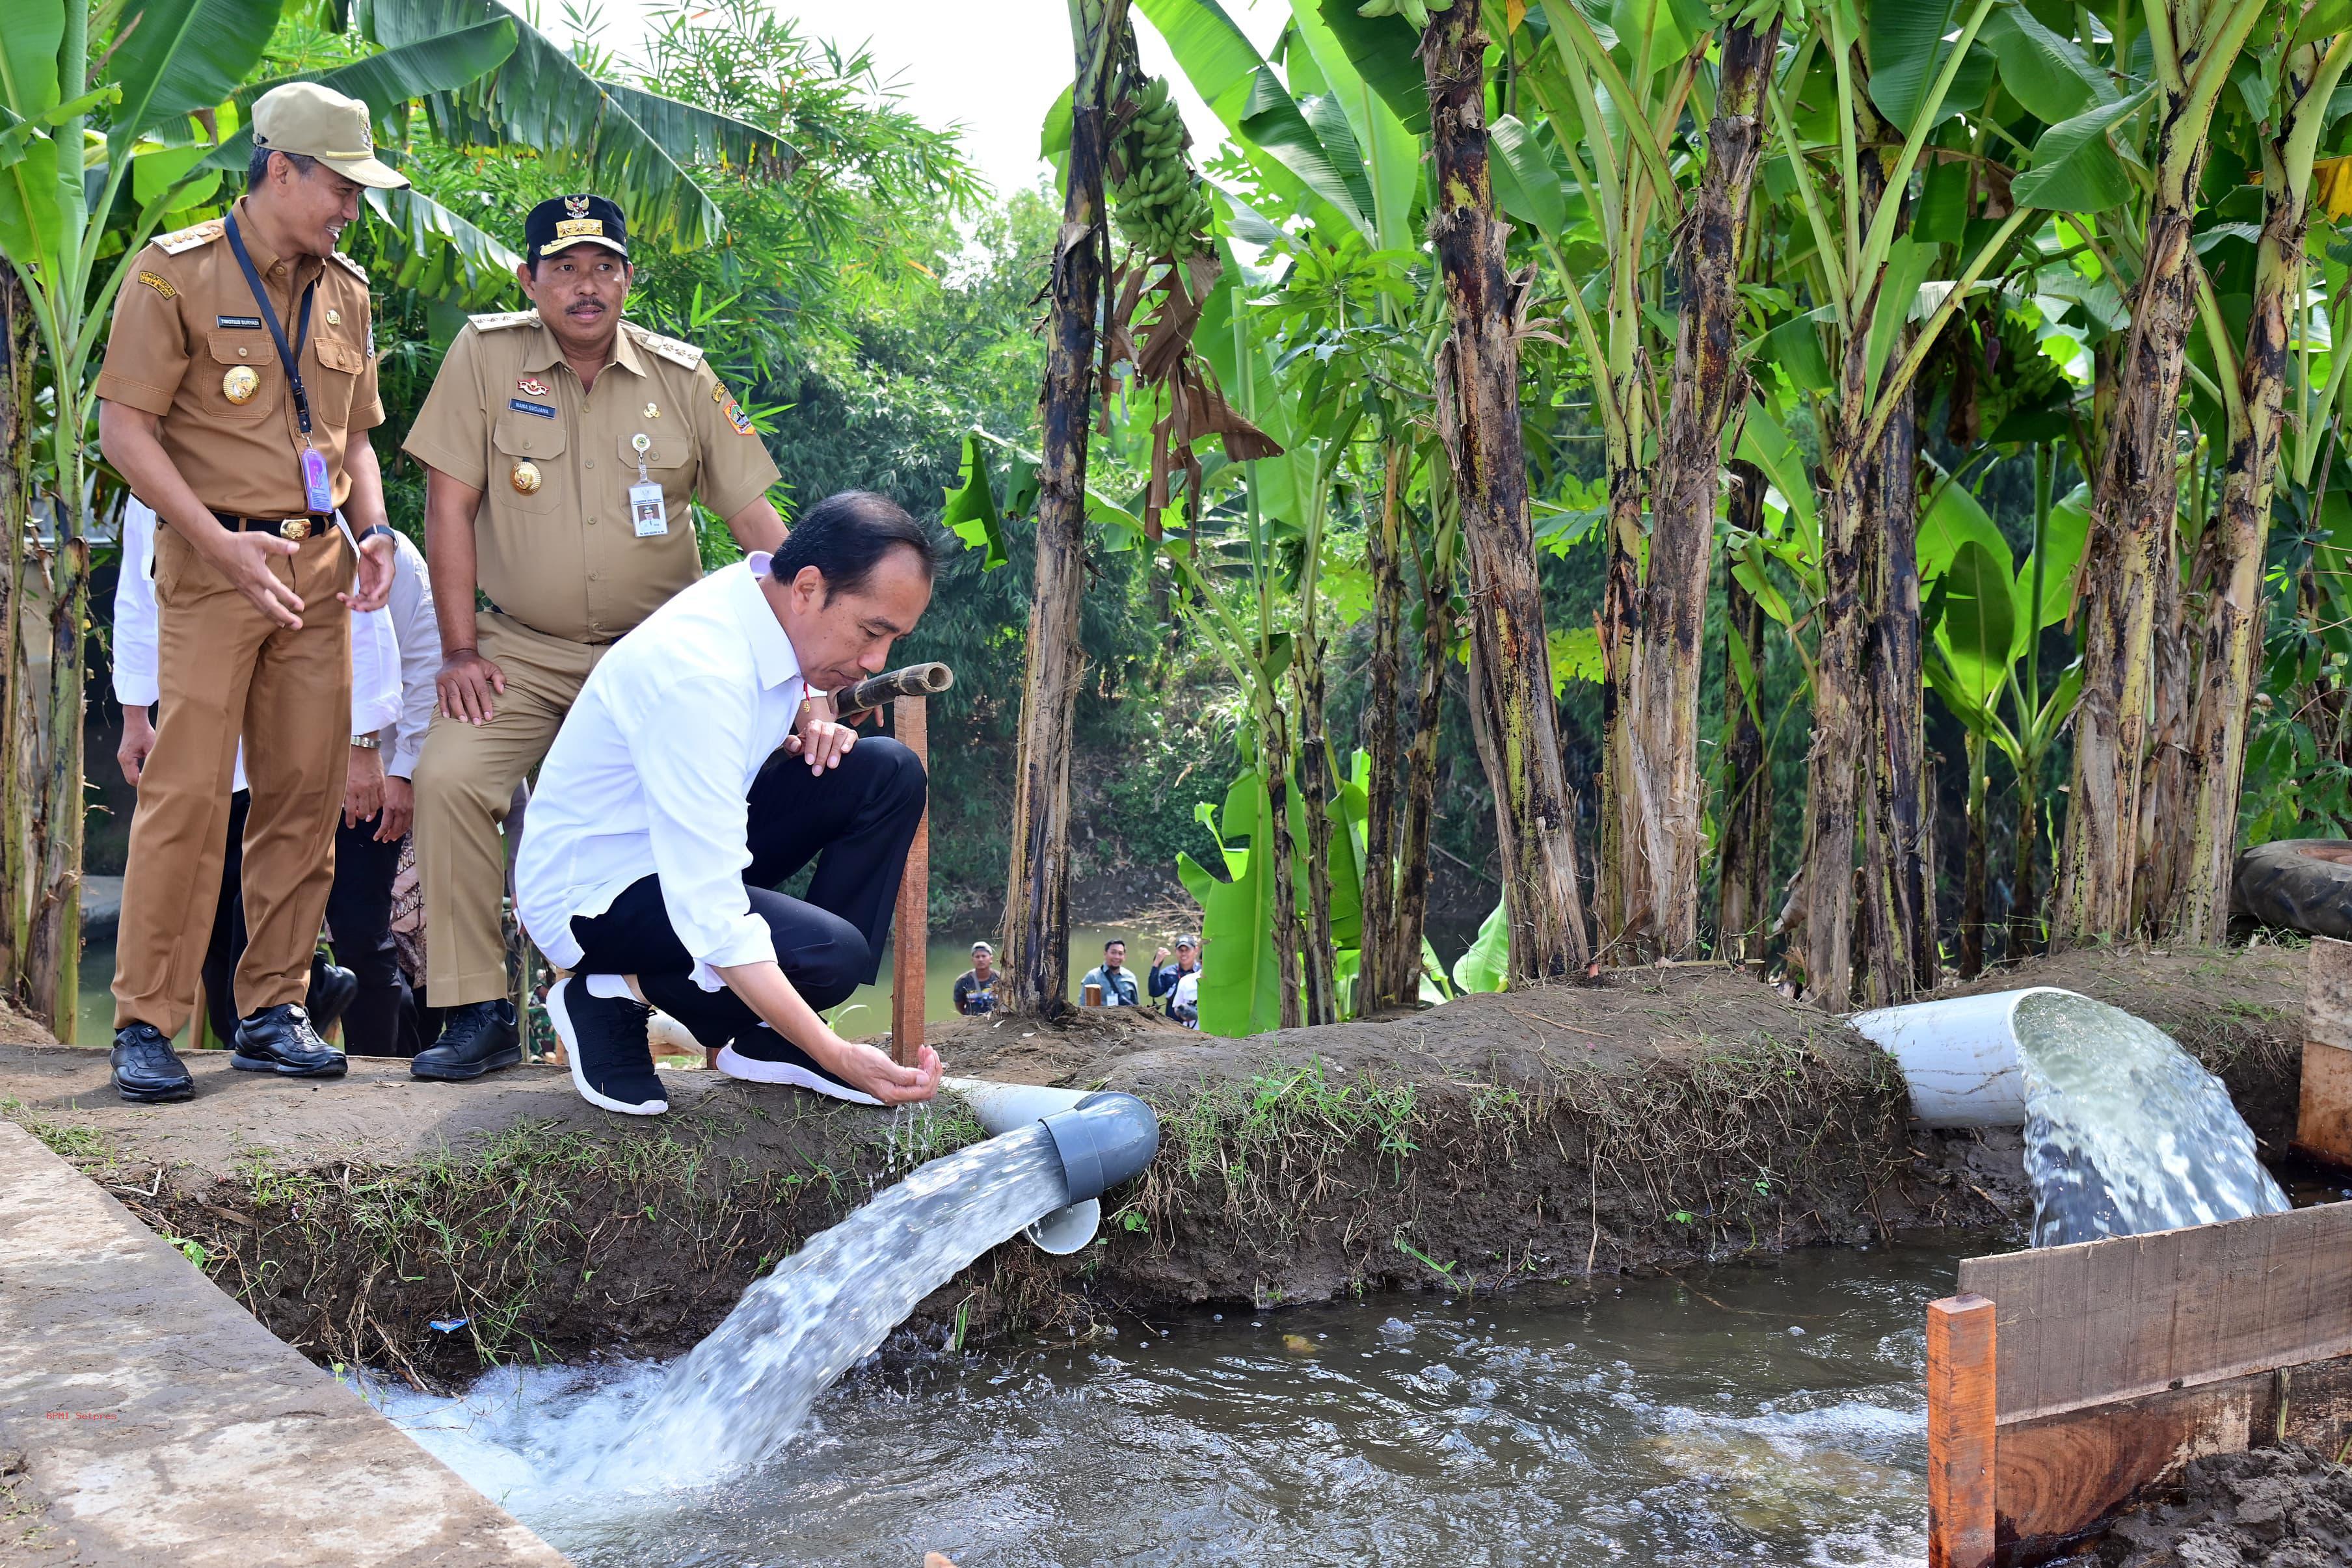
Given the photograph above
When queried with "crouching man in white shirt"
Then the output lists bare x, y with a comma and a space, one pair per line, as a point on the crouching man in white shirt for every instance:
677, 796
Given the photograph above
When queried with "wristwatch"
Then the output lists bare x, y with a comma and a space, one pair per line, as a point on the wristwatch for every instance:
367, 534
364, 743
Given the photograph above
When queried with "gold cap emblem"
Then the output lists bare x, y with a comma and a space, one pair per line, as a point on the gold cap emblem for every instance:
240, 384
576, 206
525, 478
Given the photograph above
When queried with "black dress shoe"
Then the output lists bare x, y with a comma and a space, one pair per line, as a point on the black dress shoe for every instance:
334, 988
606, 1039
476, 1037
147, 1071
281, 1040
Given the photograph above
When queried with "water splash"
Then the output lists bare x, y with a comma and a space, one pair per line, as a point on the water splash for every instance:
2124, 1131
745, 1389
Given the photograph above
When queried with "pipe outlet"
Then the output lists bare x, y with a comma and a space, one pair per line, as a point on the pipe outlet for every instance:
1104, 1140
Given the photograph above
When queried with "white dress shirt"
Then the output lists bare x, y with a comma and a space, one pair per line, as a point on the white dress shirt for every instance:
376, 696
417, 635
651, 774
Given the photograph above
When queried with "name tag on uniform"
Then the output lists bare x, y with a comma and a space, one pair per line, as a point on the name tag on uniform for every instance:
648, 509
251, 323
544, 411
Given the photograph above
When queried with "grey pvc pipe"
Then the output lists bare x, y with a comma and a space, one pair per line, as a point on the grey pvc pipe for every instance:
1104, 1139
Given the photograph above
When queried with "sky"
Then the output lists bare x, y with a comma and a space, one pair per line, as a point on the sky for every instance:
996, 66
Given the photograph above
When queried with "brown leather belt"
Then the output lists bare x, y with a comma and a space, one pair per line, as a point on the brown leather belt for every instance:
298, 529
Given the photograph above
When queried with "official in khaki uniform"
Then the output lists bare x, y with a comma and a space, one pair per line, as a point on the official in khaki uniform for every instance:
236, 397
562, 446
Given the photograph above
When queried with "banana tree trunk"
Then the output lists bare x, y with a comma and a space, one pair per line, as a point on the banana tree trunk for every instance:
2228, 633
1972, 867
1276, 749
1314, 803
1380, 983
1899, 877
1841, 706
1671, 627
1437, 572
1744, 863
1625, 894
1477, 406
2134, 503
1037, 890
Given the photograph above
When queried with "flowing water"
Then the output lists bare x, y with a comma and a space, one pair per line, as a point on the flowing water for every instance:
1766, 1415
2124, 1131
746, 1388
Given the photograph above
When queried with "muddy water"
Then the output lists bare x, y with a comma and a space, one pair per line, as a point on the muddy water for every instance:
1765, 1415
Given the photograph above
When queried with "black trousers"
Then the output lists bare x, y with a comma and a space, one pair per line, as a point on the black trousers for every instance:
381, 1020
856, 822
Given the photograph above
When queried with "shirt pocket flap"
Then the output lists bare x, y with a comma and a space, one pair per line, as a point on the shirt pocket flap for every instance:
342, 357
668, 450
235, 345
528, 435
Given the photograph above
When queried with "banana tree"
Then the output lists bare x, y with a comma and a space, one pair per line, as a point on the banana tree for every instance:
2128, 563
1988, 618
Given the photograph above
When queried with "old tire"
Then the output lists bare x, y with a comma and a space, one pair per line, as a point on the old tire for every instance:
2302, 884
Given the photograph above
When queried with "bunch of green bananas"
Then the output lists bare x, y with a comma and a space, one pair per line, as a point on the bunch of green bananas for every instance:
1159, 206
1416, 12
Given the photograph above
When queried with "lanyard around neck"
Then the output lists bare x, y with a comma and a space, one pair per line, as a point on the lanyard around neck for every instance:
292, 357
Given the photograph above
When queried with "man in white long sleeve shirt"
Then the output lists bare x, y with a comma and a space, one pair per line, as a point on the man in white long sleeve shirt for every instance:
393, 667
666, 814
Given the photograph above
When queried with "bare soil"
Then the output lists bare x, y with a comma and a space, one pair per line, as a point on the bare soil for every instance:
2287, 1506
1656, 1117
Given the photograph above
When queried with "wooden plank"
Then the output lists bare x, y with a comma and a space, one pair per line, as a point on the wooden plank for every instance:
2322, 1128
909, 968
2328, 993
2104, 1321
1960, 1436
2058, 1478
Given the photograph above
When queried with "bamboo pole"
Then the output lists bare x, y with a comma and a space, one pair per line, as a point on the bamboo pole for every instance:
910, 968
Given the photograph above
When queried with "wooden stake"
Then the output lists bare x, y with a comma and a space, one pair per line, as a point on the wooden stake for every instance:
910, 968
1960, 1386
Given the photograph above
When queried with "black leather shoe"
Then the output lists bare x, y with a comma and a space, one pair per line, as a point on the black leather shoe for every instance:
281, 1040
334, 988
611, 1057
147, 1071
476, 1037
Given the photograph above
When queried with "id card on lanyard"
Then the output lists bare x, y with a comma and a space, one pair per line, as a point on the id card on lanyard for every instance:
318, 490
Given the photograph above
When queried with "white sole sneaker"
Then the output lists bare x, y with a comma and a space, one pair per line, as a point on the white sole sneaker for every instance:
559, 1016
750, 1070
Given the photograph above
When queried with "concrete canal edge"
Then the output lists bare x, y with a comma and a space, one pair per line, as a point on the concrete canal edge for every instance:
146, 1418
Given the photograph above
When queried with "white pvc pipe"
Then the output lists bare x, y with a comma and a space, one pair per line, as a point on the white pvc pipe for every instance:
1007, 1108
1958, 1056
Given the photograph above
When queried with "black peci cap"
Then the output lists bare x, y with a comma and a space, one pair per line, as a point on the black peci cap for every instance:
559, 223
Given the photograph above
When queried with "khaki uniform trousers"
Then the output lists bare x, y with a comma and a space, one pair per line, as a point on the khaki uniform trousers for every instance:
466, 777
228, 672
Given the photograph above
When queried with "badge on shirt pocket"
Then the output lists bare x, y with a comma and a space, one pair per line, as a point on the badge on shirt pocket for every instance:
648, 509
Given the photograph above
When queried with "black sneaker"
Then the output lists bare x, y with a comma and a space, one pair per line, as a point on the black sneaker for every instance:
763, 1056
281, 1040
604, 1039
147, 1071
476, 1038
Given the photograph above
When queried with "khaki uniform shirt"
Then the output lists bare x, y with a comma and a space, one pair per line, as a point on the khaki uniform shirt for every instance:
565, 559
186, 320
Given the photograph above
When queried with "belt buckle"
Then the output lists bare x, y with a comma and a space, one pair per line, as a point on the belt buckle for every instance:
295, 529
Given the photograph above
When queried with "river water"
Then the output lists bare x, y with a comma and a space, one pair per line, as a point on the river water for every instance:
1763, 1414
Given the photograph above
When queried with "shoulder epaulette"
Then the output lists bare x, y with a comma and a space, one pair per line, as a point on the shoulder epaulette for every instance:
188, 238
670, 348
353, 267
498, 320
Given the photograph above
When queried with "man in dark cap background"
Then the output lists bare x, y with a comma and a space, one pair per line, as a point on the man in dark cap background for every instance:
564, 447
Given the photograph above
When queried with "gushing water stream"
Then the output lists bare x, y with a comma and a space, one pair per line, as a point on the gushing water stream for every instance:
2124, 1131
746, 1388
